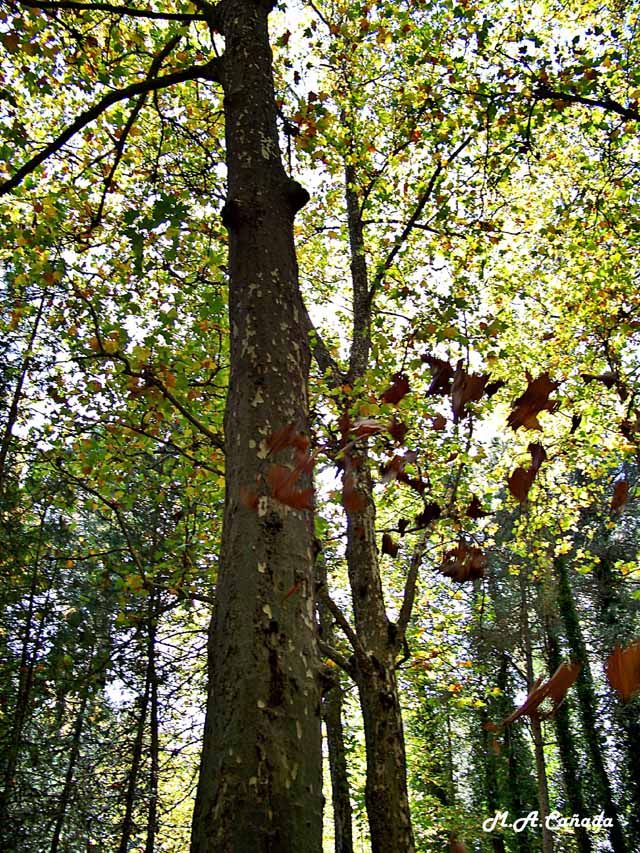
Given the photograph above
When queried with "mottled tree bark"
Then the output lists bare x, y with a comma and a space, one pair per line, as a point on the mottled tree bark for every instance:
260, 786
386, 792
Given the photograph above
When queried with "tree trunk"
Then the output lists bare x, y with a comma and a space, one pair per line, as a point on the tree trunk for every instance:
588, 705
28, 659
332, 715
154, 742
260, 786
340, 792
14, 407
536, 725
568, 751
134, 769
492, 788
67, 789
386, 793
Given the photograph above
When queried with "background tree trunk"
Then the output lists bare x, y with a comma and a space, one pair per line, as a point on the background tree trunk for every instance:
568, 750
588, 705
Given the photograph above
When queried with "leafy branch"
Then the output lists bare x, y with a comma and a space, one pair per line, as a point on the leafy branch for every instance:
208, 71
113, 9
544, 92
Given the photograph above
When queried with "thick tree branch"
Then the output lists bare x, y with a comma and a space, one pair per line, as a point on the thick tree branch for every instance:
361, 334
335, 656
546, 93
410, 588
325, 361
343, 623
112, 8
209, 71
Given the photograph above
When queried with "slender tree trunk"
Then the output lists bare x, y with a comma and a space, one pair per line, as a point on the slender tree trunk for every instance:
543, 789
568, 750
154, 741
332, 705
386, 792
518, 791
340, 792
588, 705
12, 415
536, 725
492, 787
28, 658
260, 786
74, 753
134, 769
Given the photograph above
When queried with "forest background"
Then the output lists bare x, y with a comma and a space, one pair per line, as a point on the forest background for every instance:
412, 548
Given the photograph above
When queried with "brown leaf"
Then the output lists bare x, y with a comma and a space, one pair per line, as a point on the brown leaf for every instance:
538, 456
620, 495
344, 425
431, 512
464, 563
522, 479
575, 423
416, 483
248, 498
283, 483
398, 430
623, 670
287, 436
439, 422
466, 388
475, 510
561, 680
397, 390
629, 428
554, 689
493, 387
520, 482
534, 400
441, 376
389, 545
365, 427
403, 523
305, 462
392, 469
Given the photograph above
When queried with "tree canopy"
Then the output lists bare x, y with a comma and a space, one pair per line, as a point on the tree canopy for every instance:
321, 321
